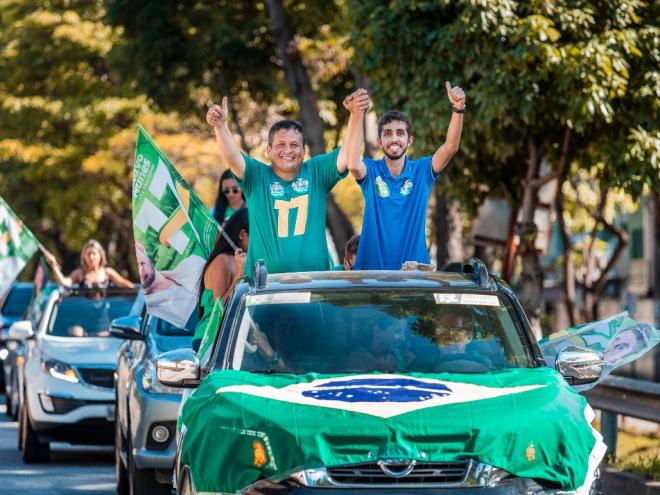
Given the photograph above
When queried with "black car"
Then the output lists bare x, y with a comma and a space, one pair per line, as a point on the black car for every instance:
393, 381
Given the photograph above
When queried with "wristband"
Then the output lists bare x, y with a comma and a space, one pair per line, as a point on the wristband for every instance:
458, 110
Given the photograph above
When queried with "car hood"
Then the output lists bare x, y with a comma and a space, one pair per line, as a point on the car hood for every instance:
82, 350
526, 421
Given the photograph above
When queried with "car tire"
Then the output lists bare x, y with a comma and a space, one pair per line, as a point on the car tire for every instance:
121, 473
9, 404
34, 450
19, 436
143, 480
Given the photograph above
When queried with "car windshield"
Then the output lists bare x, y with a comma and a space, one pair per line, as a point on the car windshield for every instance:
87, 315
17, 301
386, 331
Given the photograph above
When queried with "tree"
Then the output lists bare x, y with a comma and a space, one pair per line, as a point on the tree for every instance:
61, 103
545, 81
264, 49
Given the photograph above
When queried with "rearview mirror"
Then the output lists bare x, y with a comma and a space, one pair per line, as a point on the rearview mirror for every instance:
579, 365
178, 368
21, 330
127, 327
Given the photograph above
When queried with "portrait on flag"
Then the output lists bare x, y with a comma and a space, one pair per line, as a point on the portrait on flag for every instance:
173, 232
620, 339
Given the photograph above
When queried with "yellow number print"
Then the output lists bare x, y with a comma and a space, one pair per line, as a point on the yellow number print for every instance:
283, 208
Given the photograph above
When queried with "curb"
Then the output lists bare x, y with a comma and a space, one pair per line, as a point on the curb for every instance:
620, 482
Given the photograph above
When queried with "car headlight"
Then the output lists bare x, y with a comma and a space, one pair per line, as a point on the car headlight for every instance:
58, 369
151, 383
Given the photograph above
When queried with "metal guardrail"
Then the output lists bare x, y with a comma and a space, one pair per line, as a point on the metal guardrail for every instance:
617, 395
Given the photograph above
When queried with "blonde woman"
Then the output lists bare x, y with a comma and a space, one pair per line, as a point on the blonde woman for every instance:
93, 271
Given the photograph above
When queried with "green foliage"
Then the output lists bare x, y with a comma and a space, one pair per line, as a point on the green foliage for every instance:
529, 69
61, 104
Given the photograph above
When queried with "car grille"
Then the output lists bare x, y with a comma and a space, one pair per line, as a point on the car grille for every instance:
423, 473
99, 377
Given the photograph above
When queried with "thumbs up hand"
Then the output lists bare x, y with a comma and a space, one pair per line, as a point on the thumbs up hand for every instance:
218, 115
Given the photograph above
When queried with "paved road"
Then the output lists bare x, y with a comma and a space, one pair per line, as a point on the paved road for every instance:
74, 470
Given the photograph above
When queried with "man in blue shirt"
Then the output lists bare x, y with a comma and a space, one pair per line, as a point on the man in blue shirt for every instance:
396, 190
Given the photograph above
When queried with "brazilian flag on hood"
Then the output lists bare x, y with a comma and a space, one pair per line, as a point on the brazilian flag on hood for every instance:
240, 427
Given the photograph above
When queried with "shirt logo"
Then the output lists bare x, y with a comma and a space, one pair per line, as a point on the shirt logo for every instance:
382, 187
300, 185
276, 189
406, 188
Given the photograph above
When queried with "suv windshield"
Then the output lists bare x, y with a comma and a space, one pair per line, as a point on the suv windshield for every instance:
88, 315
383, 330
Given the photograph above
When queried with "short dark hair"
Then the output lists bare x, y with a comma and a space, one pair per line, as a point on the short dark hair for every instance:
292, 125
391, 115
352, 246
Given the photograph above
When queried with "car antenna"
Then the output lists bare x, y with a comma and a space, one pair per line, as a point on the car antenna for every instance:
478, 270
259, 276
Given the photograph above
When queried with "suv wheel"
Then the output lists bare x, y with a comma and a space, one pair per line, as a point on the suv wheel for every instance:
9, 405
143, 480
120, 470
34, 450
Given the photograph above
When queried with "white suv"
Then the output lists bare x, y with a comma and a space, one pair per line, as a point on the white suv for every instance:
68, 374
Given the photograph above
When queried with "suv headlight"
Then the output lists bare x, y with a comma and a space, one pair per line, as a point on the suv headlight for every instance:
150, 381
58, 369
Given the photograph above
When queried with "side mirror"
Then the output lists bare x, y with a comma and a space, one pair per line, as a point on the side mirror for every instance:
21, 330
579, 365
178, 368
127, 327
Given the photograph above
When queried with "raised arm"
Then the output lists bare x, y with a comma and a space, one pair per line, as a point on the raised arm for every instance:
444, 153
59, 277
117, 279
217, 116
357, 104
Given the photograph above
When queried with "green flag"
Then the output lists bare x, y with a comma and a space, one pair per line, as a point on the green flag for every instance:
174, 234
17, 245
239, 427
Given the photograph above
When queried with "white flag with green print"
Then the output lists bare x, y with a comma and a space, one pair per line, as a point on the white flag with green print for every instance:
174, 234
17, 245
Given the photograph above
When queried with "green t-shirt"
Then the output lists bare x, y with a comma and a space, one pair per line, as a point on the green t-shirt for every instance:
287, 218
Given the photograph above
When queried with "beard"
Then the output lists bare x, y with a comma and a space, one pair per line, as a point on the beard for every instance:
396, 156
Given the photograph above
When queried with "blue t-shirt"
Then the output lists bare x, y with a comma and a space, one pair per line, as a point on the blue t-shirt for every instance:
394, 223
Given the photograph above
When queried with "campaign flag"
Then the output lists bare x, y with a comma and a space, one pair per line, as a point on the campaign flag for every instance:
41, 276
173, 231
17, 245
620, 339
528, 422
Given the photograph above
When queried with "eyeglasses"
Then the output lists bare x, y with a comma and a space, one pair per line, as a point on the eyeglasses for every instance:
233, 190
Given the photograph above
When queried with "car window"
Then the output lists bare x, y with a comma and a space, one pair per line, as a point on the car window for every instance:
386, 331
17, 301
166, 329
87, 315
36, 311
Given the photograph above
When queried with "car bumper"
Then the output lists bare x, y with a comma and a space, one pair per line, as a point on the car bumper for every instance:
147, 411
71, 412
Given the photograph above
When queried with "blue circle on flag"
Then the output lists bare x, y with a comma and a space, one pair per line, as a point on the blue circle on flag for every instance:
378, 390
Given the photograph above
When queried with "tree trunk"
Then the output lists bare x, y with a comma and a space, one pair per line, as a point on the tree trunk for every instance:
531, 277
448, 230
568, 259
301, 89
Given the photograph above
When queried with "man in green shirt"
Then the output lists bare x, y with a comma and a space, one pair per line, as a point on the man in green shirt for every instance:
287, 199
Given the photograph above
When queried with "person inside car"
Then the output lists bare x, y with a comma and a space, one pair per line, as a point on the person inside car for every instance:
93, 271
385, 349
